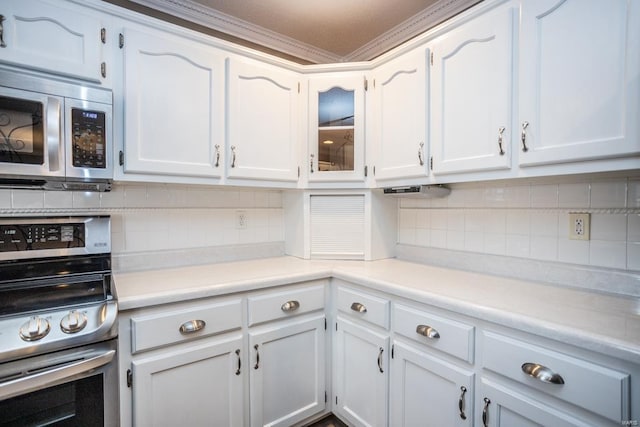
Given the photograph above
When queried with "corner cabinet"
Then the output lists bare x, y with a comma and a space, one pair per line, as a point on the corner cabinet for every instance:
472, 91
64, 39
400, 88
173, 114
263, 116
337, 127
579, 88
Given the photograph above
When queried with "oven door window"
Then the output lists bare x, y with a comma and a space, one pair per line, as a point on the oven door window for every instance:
76, 403
21, 131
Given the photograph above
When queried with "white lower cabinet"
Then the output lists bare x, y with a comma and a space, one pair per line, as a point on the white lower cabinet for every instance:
361, 374
287, 371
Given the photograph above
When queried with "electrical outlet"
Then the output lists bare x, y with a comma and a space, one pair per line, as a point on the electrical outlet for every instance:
579, 226
241, 220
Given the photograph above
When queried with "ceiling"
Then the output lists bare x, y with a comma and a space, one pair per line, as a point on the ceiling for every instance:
313, 31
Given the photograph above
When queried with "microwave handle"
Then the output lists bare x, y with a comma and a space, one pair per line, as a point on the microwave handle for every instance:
54, 133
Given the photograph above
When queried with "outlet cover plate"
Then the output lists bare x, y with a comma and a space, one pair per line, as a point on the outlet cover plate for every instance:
579, 226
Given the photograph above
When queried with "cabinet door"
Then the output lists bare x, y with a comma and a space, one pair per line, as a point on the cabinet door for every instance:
579, 88
194, 385
472, 95
428, 391
287, 372
56, 38
336, 127
401, 114
360, 374
499, 406
173, 92
263, 114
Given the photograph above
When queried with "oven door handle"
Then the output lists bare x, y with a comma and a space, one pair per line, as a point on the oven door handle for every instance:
54, 376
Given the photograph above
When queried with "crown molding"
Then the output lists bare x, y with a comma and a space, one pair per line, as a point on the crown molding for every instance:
216, 20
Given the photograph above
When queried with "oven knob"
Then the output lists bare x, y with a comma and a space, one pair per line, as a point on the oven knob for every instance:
73, 322
35, 329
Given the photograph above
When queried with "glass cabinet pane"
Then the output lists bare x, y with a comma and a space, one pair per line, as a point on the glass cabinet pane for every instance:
336, 130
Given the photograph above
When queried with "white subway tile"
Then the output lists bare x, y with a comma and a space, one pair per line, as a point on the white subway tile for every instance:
608, 254
27, 199
633, 256
422, 237
113, 198
408, 218
458, 198
135, 196
455, 240
474, 198
495, 221
423, 218
158, 196
563, 225
455, 220
5, 199
261, 199
475, 220
495, 243
608, 194
544, 248
573, 251
633, 228
407, 236
610, 227
544, 224
518, 222
439, 219
58, 199
518, 196
495, 197
474, 241
246, 199
518, 245
86, 199
275, 199
438, 238
573, 195
633, 193
544, 196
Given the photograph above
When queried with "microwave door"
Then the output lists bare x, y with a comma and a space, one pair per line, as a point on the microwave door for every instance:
30, 134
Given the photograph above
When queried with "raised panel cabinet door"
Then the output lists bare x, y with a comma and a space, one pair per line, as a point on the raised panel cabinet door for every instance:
400, 90
579, 85
472, 90
173, 117
336, 127
287, 371
55, 38
360, 374
263, 115
428, 391
191, 385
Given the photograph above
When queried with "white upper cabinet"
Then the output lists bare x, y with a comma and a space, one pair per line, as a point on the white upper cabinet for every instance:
173, 114
400, 91
579, 84
336, 127
472, 91
263, 119
58, 37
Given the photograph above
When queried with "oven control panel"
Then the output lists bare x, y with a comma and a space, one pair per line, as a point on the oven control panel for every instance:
29, 237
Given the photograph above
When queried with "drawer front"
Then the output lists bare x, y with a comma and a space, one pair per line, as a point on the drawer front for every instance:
362, 305
174, 326
449, 336
590, 386
282, 304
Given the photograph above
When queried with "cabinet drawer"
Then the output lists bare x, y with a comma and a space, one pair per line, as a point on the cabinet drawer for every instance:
449, 336
590, 386
362, 305
162, 328
280, 304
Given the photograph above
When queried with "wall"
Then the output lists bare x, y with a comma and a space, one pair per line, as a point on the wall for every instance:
530, 220
171, 218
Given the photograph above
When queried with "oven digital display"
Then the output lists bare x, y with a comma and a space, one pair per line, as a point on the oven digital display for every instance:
27, 237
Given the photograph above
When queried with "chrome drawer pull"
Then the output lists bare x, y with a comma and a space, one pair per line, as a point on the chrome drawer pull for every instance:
380, 360
239, 363
542, 373
428, 332
192, 326
485, 412
500, 132
290, 306
463, 391
523, 136
356, 306
257, 365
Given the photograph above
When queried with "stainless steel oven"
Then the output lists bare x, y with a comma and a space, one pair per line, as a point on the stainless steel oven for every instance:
58, 323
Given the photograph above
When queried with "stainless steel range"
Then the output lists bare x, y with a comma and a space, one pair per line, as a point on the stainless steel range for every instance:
58, 322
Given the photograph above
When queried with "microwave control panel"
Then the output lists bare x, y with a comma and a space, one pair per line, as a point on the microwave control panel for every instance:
89, 139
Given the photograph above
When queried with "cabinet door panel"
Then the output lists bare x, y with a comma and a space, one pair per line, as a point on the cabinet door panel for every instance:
287, 372
401, 95
579, 88
191, 385
426, 391
360, 386
472, 95
263, 122
173, 115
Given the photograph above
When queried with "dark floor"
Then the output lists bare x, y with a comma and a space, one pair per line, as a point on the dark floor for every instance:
328, 421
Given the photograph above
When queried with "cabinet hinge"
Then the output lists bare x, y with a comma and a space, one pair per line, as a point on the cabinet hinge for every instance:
298, 171
374, 171
431, 162
121, 41
336, 326
103, 70
325, 397
431, 58
366, 84
393, 348
103, 35
121, 158
129, 378
365, 170
336, 400
325, 324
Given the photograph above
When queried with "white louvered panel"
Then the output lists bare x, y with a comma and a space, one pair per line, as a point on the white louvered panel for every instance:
337, 227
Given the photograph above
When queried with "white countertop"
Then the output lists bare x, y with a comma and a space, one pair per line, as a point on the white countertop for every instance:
604, 323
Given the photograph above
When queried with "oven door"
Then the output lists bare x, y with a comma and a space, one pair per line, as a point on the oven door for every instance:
30, 134
76, 387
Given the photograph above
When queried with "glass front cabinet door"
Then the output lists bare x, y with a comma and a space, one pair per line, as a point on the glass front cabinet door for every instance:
336, 128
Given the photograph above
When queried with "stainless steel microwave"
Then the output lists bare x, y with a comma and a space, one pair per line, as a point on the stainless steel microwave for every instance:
54, 134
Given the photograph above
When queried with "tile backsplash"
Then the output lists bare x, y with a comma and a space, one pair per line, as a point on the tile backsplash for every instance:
531, 220
159, 217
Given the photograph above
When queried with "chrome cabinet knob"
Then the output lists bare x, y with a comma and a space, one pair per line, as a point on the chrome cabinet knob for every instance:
290, 306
